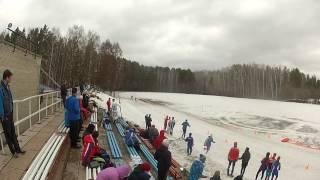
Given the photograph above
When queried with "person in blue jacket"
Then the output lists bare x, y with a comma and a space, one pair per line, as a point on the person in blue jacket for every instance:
73, 107
207, 143
131, 139
276, 166
6, 114
189, 141
196, 169
185, 124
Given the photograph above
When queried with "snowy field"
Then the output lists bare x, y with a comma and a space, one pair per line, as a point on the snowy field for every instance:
257, 124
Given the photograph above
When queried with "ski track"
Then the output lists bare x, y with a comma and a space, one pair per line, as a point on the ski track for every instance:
294, 159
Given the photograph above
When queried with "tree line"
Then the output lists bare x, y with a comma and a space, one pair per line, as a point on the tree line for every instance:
81, 56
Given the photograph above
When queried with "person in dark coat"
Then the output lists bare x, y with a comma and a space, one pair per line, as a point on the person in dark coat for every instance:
264, 164
63, 93
207, 143
153, 133
245, 160
189, 141
185, 124
6, 114
141, 172
163, 156
216, 176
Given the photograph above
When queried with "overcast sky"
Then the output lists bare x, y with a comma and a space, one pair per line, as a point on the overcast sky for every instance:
199, 34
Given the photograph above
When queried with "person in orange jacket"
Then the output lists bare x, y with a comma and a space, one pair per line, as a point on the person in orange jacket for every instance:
91, 148
233, 157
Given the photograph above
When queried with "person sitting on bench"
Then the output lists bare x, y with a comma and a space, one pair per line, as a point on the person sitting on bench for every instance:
89, 130
131, 139
91, 148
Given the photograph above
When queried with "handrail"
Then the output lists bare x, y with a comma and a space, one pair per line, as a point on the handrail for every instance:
35, 109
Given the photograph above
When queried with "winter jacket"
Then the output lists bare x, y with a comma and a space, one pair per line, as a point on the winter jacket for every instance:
90, 149
113, 173
189, 141
208, 141
158, 141
139, 174
265, 162
130, 138
163, 156
276, 166
185, 125
153, 133
6, 100
73, 107
245, 157
196, 170
233, 154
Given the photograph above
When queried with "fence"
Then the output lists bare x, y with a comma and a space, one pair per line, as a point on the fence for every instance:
29, 111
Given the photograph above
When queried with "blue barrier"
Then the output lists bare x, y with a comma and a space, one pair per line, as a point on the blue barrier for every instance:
115, 150
123, 123
149, 156
132, 151
120, 129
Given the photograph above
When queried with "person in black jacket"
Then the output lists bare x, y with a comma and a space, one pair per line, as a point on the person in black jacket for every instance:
163, 156
141, 172
245, 160
63, 93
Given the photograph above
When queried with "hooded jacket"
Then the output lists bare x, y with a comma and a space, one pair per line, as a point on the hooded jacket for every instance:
158, 141
90, 149
196, 170
73, 107
113, 173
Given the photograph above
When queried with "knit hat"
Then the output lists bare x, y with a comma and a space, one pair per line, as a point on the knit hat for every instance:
145, 166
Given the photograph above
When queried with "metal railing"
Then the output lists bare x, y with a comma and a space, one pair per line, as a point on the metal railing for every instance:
33, 107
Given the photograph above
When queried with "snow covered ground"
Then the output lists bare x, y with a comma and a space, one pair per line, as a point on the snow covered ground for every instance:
257, 124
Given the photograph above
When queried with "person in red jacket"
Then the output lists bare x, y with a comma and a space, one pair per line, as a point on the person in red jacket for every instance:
166, 119
158, 141
91, 148
233, 157
109, 105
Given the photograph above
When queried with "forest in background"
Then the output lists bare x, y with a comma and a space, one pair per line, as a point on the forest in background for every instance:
82, 56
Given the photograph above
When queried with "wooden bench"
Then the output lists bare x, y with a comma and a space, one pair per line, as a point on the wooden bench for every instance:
41, 165
114, 147
120, 129
147, 143
92, 173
